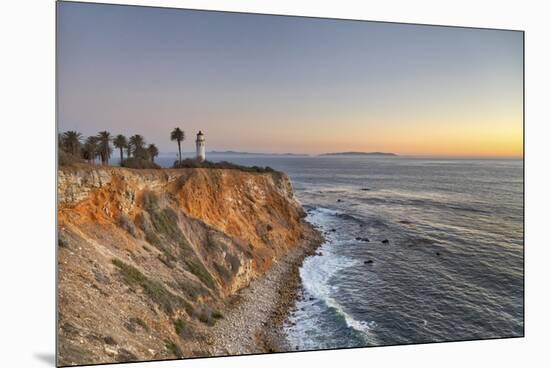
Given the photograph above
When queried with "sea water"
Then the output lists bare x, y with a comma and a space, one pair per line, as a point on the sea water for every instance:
452, 266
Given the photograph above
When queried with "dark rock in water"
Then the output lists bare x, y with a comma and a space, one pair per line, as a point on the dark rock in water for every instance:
437, 253
405, 222
365, 189
339, 200
385, 241
369, 261
365, 239
319, 253
358, 238
311, 298
333, 230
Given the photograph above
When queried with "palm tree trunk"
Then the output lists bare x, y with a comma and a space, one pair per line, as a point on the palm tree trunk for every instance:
179, 149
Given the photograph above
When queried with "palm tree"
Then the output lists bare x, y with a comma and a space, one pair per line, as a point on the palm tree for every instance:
120, 142
178, 135
153, 152
137, 144
90, 149
71, 142
104, 140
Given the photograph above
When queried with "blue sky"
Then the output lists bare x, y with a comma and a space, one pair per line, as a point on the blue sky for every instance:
289, 84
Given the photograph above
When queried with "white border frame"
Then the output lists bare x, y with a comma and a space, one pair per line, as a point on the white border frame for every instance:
27, 185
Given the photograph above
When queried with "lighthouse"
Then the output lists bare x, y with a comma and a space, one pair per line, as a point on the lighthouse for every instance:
201, 152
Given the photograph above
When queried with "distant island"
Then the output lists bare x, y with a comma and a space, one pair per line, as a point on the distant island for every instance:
358, 154
256, 153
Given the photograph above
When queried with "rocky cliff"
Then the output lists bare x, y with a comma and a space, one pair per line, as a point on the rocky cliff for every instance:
148, 259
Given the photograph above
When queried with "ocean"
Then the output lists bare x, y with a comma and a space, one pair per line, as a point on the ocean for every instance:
417, 249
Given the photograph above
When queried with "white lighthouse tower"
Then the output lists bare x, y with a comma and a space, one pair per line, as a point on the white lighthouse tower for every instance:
201, 152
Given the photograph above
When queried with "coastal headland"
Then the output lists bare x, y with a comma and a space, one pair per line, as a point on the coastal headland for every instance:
175, 263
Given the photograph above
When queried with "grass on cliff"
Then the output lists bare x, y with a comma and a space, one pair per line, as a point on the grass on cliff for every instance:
183, 329
154, 289
217, 315
173, 348
198, 269
208, 316
154, 224
127, 224
223, 272
165, 222
191, 288
135, 322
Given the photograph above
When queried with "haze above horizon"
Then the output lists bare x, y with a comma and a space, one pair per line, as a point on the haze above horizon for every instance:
278, 84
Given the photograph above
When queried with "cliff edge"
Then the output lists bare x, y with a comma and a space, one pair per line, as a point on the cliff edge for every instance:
148, 259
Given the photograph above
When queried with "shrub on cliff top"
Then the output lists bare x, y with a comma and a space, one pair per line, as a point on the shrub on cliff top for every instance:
139, 163
66, 159
191, 163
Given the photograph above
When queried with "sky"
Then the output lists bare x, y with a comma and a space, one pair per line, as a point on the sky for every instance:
262, 83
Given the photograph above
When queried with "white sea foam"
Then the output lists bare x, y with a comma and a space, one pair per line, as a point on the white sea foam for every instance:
317, 214
317, 272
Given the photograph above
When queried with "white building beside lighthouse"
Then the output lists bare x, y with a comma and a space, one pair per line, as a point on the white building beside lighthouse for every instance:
201, 150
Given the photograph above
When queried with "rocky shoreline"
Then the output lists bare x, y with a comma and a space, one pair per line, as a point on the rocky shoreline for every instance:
254, 318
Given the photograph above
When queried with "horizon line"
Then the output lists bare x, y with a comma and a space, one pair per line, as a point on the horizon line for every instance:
426, 155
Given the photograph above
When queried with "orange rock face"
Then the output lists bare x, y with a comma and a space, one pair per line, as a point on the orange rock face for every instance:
148, 258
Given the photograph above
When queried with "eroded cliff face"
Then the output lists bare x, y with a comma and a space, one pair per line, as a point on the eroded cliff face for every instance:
149, 258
